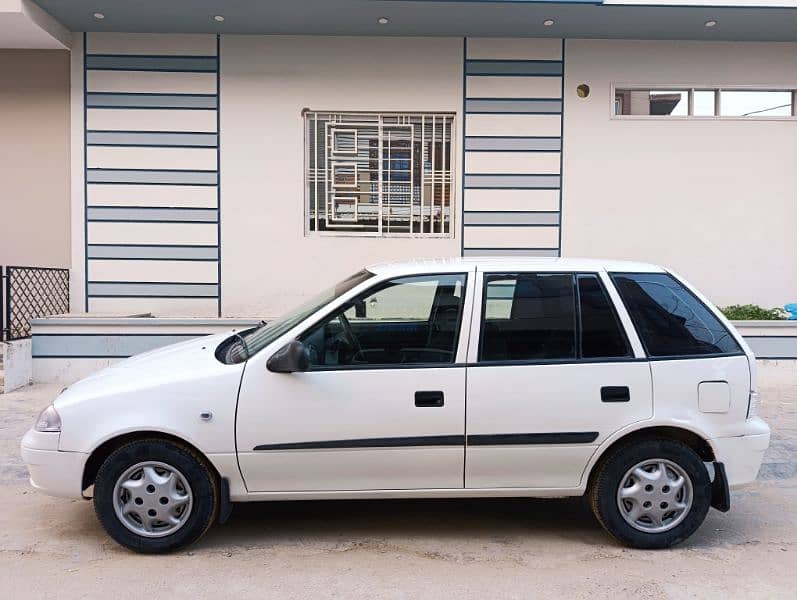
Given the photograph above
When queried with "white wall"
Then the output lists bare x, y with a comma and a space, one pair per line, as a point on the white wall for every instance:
268, 264
715, 200
34, 158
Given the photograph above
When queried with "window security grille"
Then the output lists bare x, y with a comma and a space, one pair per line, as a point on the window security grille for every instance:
379, 174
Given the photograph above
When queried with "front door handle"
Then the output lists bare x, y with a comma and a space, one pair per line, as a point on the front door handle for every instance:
615, 393
428, 399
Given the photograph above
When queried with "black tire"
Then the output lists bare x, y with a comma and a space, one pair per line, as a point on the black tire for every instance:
605, 484
195, 470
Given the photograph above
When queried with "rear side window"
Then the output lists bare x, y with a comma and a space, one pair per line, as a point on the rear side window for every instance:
549, 316
601, 333
670, 320
528, 316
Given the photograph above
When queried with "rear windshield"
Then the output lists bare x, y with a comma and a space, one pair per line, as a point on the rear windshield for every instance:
670, 320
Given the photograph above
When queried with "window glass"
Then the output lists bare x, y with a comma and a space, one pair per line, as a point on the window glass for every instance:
706, 102
258, 338
669, 319
755, 103
602, 335
528, 316
651, 102
703, 103
379, 174
411, 320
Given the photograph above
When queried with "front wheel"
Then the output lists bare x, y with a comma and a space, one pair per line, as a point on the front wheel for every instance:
155, 496
651, 494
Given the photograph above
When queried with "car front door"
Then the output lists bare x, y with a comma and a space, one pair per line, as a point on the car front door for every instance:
382, 405
553, 374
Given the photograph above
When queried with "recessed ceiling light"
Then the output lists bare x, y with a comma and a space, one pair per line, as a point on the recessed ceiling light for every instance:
99, 16
383, 20
548, 22
711, 23
219, 18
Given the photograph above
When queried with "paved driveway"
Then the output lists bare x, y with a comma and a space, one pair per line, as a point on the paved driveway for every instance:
53, 548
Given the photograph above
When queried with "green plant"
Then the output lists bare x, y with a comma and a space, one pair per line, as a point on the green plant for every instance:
752, 312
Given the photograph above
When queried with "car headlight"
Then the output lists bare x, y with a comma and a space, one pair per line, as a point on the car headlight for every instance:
48, 420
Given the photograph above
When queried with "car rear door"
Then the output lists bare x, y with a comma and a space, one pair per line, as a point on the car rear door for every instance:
701, 374
382, 406
552, 373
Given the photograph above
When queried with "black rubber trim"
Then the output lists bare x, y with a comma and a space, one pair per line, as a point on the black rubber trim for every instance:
500, 439
720, 493
386, 442
519, 439
225, 506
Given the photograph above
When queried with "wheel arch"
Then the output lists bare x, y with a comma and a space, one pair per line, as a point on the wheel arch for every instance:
99, 454
693, 439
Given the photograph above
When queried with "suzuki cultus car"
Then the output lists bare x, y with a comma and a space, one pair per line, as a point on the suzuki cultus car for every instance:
440, 378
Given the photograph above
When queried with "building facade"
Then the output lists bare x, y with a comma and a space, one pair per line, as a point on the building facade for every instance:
233, 167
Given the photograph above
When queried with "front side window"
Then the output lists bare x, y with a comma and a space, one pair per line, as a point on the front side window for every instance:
379, 174
405, 321
670, 320
254, 340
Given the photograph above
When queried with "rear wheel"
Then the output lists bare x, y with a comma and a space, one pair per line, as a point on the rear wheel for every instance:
155, 496
651, 494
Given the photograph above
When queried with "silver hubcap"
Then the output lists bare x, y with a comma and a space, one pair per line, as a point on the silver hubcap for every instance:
655, 495
152, 499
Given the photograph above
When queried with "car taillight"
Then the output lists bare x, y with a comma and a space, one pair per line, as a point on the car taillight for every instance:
752, 405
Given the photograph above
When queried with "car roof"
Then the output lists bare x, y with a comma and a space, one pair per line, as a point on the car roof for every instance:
511, 263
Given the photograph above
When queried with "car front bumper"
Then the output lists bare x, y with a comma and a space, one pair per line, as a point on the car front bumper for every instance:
53, 472
742, 455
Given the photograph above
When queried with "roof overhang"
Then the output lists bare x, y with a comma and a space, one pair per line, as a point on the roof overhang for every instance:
24, 25
742, 20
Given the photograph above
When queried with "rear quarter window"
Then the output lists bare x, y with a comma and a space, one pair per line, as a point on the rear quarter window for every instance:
670, 320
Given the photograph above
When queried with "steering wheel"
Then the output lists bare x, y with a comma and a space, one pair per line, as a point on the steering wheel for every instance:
349, 333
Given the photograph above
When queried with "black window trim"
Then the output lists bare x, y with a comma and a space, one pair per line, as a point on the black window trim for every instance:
578, 359
388, 366
648, 356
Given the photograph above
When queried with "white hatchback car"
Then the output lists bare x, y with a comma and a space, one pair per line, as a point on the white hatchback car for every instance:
438, 378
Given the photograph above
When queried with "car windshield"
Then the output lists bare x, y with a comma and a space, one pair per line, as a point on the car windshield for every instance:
255, 340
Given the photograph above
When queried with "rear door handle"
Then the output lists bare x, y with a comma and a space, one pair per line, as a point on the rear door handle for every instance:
615, 393
428, 399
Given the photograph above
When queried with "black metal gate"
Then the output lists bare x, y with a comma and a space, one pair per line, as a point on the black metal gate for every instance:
28, 293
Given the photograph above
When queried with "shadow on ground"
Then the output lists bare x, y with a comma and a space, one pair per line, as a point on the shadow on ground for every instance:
267, 523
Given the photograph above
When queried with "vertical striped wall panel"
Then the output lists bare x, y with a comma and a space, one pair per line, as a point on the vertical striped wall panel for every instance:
512, 155
152, 170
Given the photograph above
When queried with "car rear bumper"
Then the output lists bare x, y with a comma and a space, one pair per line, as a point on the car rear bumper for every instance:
742, 455
53, 472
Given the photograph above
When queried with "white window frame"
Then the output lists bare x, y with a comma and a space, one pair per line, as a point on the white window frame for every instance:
450, 177
691, 89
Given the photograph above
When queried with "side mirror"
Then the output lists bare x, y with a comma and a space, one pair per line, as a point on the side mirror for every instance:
292, 358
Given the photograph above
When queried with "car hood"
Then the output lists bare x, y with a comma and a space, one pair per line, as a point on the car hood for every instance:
189, 360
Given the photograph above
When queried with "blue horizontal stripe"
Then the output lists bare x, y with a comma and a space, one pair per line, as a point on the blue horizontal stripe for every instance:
152, 252
138, 62
513, 106
102, 346
152, 176
151, 214
532, 68
511, 181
